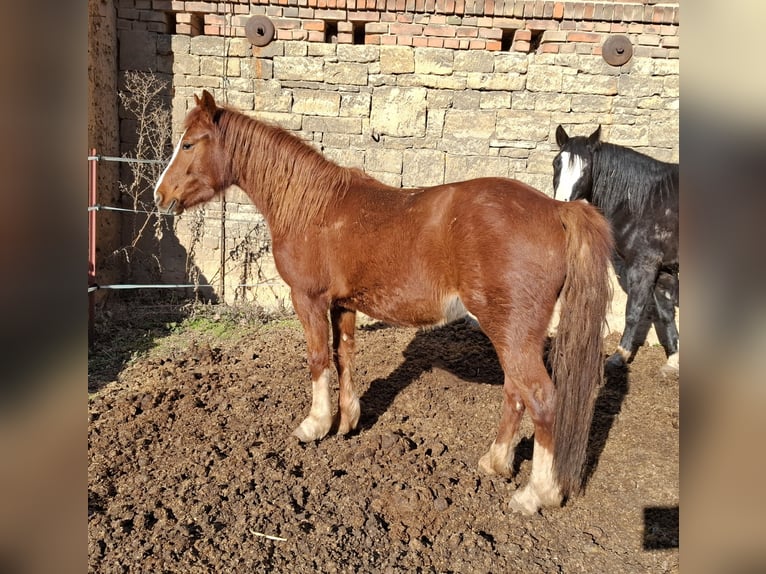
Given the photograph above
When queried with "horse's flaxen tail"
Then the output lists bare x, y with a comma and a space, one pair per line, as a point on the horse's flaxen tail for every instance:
576, 352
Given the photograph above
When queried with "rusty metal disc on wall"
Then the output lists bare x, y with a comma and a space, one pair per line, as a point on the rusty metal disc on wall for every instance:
617, 50
259, 30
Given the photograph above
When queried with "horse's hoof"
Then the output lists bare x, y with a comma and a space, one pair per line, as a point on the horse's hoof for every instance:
349, 419
524, 502
310, 430
485, 464
671, 368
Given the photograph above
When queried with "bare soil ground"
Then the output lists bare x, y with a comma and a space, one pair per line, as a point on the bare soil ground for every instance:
192, 467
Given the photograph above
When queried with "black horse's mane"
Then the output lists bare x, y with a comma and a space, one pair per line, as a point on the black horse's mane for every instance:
623, 175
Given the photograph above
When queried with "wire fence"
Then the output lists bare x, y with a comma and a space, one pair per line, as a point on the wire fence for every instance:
93, 286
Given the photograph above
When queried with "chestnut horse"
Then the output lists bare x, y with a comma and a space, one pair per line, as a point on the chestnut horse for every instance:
493, 248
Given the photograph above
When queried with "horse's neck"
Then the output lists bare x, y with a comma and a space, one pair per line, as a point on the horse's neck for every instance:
287, 180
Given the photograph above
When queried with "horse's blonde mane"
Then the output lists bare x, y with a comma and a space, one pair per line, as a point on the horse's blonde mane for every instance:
288, 180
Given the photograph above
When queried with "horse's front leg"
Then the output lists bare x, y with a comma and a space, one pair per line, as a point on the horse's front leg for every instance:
666, 298
312, 312
343, 344
641, 276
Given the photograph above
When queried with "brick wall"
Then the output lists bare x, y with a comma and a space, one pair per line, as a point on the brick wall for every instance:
415, 92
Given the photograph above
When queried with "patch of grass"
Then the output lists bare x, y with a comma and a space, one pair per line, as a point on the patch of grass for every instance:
125, 333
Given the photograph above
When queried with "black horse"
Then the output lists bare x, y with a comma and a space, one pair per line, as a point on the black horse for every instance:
639, 196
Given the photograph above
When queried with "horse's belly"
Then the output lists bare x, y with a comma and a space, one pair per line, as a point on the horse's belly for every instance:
397, 308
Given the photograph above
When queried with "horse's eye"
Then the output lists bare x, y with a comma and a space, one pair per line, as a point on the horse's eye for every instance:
186, 146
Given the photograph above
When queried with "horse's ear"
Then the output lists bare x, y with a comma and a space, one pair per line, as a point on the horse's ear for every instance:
561, 136
595, 137
207, 102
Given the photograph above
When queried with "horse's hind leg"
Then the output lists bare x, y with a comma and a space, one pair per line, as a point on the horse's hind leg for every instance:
527, 386
312, 313
665, 299
499, 458
539, 397
343, 328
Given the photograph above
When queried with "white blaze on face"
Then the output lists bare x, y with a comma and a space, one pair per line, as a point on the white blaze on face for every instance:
571, 171
172, 159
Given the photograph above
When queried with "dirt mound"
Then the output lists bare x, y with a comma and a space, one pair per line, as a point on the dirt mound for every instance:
192, 467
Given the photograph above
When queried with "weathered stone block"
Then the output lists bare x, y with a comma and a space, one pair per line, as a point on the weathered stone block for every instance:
640, 87
346, 73
671, 86
461, 168
240, 100
397, 60
587, 103
468, 131
663, 134
451, 82
541, 161
439, 100
211, 66
631, 136
239, 47
399, 112
186, 64
589, 84
336, 125
180, 44
345, 157
296, 68
322, 49
513, 62
665, 67
355, 105
270, 97
495, 100
522, 125
274, 49
436, 61
469, 123
435, 122
316, 103
258, 69
358, 53
651, 103
544, 102
544, 78
383, 160
510, 81
422, 167
208, 46
288, 121
296, 49
474, 61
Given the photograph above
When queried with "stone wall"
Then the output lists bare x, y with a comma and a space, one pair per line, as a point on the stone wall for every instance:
415, 92
103, 126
